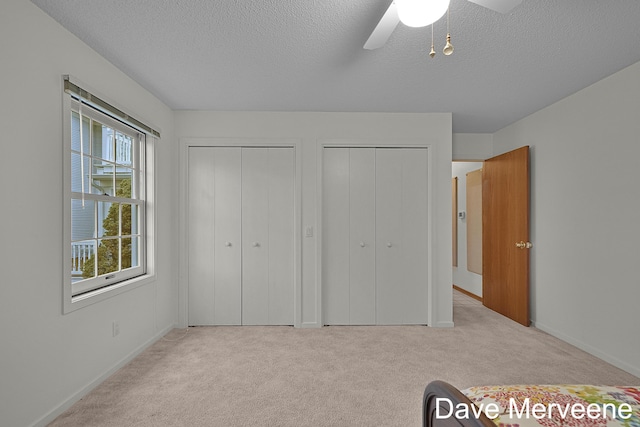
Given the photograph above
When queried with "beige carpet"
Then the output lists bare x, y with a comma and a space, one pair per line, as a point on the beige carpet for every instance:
334, 376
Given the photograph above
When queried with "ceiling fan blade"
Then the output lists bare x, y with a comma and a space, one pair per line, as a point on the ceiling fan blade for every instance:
502, 6
383, 30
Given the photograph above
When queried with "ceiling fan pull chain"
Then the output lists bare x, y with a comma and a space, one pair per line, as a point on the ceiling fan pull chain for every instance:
448, 48
433, 51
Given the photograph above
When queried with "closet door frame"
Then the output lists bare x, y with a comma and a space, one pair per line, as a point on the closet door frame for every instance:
183, 214
431, 188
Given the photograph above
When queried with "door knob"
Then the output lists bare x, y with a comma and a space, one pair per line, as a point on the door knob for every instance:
524, 245
256, 244
389, 244
362, 245
227, 244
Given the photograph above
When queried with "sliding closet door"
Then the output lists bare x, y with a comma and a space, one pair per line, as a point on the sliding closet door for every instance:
401, 236
227, 258
362, 237
201, 202
349, 255
414, 236
336, 251
389, 245
281, 236
214, 236
241, 231
375, 264
267, 236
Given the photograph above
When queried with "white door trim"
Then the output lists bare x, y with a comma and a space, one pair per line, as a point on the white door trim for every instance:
183, 226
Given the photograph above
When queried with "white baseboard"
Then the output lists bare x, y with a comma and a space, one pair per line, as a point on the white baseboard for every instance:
310, 325
67, 403
633, 370
444, 324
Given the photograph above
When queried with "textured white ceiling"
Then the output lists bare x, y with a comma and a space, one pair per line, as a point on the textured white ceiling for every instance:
307, 55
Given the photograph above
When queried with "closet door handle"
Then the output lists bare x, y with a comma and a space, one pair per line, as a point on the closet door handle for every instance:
256, 244
228, 244
362, 244
389, 244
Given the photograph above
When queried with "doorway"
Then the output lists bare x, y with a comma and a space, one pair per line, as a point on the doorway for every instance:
467, 236
505, 232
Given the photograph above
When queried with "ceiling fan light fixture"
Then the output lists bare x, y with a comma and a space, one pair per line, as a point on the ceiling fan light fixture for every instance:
420, 13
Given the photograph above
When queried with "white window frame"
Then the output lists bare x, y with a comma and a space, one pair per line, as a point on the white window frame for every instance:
90, 291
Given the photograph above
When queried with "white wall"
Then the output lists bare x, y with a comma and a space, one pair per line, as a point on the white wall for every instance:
585, 201
48, 359
472, 146
463, 278
314, 129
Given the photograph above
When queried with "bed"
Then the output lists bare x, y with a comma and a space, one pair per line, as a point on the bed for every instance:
531, 406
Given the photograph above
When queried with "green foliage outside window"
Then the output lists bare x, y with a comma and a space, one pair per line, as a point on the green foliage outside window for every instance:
108, 249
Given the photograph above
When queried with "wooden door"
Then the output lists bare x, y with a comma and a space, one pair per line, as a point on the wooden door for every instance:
505, 234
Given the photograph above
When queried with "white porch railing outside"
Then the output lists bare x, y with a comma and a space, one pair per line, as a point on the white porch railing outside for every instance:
80, 253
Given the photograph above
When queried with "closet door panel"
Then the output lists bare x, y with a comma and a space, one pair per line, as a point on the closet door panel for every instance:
362, 229
375, 205
201, 248
389, 245
255, 236
281, 235
227, 236
214, 236
336, 223
414, 236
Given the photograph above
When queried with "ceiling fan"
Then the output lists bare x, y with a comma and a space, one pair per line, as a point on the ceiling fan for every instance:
391, 18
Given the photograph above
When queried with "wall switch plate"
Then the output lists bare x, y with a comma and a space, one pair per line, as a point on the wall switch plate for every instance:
308, 232
116, 329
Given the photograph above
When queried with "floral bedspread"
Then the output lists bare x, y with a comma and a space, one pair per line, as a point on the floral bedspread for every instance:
558, 405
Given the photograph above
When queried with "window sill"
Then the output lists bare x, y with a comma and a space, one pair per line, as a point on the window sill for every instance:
74, 303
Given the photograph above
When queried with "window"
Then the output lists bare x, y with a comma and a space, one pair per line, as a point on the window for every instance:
106, 182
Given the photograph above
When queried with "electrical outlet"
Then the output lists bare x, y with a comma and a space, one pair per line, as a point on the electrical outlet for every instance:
116, 329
